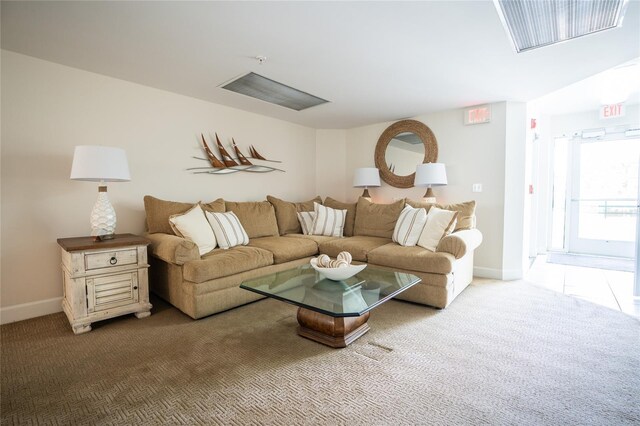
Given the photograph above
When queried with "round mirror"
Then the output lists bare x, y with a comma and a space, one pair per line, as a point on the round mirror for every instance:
401, 147
403, 153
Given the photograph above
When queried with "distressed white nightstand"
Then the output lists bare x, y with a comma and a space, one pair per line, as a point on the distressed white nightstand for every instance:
104, 279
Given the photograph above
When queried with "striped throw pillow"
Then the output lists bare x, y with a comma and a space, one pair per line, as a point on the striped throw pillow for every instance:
409, 226
328, 221
228, 229
306, 221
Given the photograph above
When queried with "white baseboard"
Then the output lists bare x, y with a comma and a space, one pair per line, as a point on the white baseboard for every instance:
30, 310
497, 274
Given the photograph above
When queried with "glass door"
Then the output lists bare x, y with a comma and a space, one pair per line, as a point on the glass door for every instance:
603, 197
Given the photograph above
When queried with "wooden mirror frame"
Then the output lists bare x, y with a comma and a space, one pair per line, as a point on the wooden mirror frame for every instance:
430, 150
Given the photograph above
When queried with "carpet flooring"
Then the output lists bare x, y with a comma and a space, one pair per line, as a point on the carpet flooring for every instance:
502, 353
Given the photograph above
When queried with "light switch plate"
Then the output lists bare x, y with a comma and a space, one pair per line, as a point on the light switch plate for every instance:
477, 187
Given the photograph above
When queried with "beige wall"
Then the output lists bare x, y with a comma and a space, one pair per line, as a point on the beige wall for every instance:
472, 154
331, 162
47, 109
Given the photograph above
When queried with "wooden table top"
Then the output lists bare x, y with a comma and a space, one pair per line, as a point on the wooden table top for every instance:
88, 243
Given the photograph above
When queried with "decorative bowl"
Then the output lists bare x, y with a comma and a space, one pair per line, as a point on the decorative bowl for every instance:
337, 274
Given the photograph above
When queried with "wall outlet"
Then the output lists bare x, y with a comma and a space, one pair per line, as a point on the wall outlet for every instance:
477, 187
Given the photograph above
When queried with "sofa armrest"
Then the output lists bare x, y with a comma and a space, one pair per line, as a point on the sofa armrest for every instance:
173, 249
460, 243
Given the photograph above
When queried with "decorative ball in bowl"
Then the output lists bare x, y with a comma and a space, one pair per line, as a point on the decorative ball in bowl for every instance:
339, 273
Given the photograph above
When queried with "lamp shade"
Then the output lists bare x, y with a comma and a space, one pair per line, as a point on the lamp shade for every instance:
100, 164
366, 176
430, 174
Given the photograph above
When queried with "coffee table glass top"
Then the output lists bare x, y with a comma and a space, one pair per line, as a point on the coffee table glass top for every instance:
304, 287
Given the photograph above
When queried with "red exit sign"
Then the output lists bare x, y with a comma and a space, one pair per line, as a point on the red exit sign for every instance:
477, 114
611, 111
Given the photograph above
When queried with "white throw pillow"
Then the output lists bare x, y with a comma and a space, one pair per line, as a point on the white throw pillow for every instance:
328, 221
228, 229
306, 221
193, 226
439, 224
409, 226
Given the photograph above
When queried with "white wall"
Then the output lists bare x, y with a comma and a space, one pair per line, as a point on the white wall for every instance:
47, 109
472, 154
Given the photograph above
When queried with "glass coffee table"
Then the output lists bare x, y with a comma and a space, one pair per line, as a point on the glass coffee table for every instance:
334, 313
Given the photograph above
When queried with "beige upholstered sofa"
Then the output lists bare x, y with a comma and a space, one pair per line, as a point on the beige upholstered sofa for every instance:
204, 285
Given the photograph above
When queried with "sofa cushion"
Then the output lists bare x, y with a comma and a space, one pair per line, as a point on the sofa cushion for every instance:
286, 249
158, 212
258, 218
466, 218
315, 238
222, 263
286, 213
350, 221
217, 206
358, 246
376, 220
412, 259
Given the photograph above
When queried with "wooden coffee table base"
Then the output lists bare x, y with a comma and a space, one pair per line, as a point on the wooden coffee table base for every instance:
337, 332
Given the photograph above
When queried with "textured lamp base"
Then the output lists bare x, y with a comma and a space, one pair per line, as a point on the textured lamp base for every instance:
429, 196
103, 217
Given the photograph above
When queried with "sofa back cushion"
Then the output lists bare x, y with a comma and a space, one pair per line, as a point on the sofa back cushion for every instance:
466, 218
376, 220
258, 218
158, 212
351, 213
286, 213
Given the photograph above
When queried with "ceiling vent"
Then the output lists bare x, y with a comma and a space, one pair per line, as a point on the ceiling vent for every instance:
534, 23
267, 90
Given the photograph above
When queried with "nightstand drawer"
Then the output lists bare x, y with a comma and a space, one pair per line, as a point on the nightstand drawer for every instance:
110, 291
110, 259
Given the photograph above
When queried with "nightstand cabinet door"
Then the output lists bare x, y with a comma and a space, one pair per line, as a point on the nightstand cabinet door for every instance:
110, 291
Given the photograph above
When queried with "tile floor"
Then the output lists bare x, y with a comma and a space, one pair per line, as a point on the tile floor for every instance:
613, 289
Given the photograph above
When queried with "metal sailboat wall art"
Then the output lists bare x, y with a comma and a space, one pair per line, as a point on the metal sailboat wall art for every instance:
228, 164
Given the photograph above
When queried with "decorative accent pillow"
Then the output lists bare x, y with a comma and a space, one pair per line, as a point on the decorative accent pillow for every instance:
409, 226
328, 221
193, 226
350, 222
228, 229
376, 220
286, 213
158, 212
439, 224
306, 221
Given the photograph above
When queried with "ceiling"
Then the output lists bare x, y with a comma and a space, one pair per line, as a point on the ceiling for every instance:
375, 61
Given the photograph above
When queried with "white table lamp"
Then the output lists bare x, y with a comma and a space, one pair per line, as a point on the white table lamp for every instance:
366, 177
429, 175
101, 164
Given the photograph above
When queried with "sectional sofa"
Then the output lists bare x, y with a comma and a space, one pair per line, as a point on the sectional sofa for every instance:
205, 285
